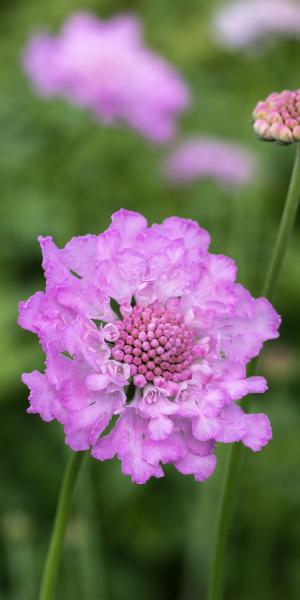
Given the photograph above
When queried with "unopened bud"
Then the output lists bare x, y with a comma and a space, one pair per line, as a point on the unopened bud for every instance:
296, 133
260, 111
281, 133
274, 117
262, 129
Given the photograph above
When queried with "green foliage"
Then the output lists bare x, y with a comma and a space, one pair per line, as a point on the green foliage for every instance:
63, 175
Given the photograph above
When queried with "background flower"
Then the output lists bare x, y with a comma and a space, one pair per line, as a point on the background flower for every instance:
244, 22
209, 158
104, 66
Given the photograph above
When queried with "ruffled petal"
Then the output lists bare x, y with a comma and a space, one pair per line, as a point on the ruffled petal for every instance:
232, 425
254, 322
83, 428
168, 450
258, 431
80, 254
237, 389
126, 440
42, 396
129, 225
205, 428
160, 428
201, 467
29, 312
188, 230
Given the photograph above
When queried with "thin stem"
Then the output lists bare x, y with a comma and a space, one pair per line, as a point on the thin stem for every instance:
234, 455
223, 521
286, 226
60, 524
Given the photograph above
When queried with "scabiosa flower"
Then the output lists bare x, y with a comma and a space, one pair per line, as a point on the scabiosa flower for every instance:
208, 157
146, 331
104, 66
278, 117
244, 22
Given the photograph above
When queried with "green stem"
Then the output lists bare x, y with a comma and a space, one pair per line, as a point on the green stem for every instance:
234, 455
223, 521
60, 524
286, 226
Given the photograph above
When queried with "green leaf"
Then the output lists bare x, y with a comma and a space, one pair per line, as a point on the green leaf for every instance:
115, 307
75, 274
130, 391
99, 323
67, 354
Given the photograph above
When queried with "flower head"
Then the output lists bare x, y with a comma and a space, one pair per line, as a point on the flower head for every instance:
104, 66
245, 22
208, 157
143, 324
278, 117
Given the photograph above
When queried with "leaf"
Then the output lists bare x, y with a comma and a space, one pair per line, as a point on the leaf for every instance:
67, 354
130, 391
75, 274
115, 307
99, 323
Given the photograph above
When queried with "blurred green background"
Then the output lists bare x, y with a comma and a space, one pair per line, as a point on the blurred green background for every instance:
61, 175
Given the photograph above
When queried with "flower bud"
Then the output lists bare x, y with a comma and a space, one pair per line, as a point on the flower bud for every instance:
281, 133
262, 129
296, 133
278, 117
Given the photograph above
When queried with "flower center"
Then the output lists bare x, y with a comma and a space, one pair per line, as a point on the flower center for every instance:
156, 344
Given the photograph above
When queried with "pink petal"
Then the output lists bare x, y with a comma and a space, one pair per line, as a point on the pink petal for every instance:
258, 431
160, 428
201, 467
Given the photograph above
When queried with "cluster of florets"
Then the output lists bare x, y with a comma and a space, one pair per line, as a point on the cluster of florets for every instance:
209, 158
105, 67
278, 117
144, 325
156, 344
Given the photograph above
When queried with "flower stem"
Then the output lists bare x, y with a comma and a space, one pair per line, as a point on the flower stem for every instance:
61, 519
223, 521
234, 454
286, 225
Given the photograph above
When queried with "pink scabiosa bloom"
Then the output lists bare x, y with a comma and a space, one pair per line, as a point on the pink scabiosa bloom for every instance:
277, 119
212, 158
104, 66
147, 331
245, 22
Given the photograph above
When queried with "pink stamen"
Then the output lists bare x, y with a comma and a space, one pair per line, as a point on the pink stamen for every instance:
158, 346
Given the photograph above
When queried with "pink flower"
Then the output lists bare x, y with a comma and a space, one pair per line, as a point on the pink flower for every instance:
244, 22
104, 66
143, 324
206, 157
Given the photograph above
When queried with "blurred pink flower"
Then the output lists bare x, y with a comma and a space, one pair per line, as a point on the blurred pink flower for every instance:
244, 22
145, 329
104, 66
207, 157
